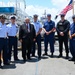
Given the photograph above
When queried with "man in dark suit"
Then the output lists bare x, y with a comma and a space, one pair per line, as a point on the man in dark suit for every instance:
63, 30
26, 37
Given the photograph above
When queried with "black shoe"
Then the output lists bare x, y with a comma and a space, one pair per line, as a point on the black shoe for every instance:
51, 55
24, 60
7, 63
16, 59
72, 59
45, 54
33, 55
29, 59
67, 56
60, 56
0, 66
9, 60
39, 57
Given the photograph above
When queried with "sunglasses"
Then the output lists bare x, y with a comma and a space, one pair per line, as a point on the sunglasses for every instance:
62, 16
73, 18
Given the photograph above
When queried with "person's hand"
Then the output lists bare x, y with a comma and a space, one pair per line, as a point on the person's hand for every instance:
20, 40
54, 29
47, 33
61, 33
36, 35
34, 39
70, 37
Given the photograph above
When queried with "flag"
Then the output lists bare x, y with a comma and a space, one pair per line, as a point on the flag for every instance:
66, 9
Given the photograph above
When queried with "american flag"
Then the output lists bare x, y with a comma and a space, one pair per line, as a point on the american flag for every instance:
66, 9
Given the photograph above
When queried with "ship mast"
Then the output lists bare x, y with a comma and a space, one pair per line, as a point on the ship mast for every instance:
24, 4
16, 7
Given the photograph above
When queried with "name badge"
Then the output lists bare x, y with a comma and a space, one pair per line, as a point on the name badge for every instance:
60, 23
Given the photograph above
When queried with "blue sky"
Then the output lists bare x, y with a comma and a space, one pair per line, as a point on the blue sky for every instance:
43, 3
39, 6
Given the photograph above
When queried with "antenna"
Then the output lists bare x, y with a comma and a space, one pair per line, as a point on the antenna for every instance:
24, 4
16, 7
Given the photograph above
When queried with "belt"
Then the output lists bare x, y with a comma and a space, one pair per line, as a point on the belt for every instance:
3, 37
12, 36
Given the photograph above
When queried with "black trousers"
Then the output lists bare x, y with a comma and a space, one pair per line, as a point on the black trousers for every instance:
63, 39
13, 43
26, 48
38, 41
72, 47
3, 46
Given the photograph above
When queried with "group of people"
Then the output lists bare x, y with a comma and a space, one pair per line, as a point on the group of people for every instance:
8, 39
30, 34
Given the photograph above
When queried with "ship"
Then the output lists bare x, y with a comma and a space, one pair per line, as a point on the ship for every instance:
14, 8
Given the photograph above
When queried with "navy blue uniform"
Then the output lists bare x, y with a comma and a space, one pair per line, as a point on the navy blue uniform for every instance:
37, 27
49, 38
3, 42
12, 32
72, 41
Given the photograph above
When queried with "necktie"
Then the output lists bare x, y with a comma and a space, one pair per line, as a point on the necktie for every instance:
27, 26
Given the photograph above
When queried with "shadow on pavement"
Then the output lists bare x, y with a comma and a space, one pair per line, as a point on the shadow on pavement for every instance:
11, 66
64, 57
34, 60
18, 62
44, 57
54, 56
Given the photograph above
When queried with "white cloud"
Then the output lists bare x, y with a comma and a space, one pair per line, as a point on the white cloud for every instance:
31, 10
59, 5
59, 2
